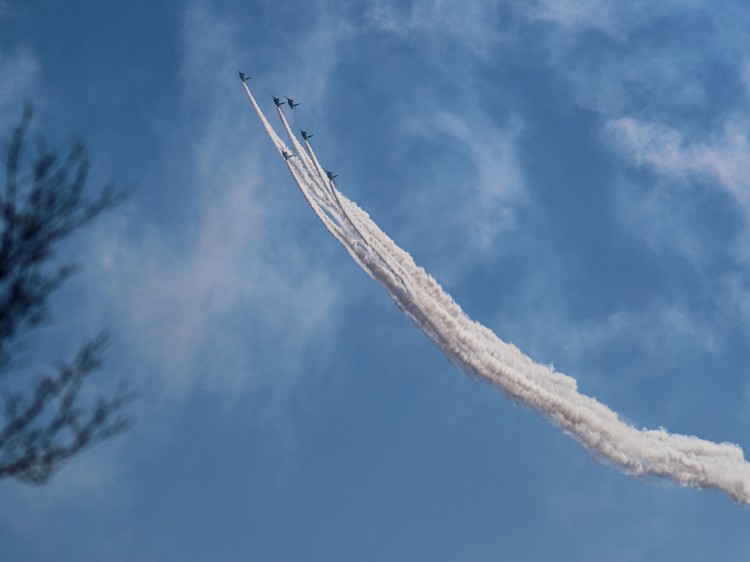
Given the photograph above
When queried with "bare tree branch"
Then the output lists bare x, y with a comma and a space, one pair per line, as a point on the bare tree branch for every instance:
32, 444
39, 209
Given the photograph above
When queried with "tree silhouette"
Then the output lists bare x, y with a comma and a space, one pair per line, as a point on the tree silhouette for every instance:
46, 421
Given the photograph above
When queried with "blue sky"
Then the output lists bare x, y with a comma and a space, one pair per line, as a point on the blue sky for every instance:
575, 174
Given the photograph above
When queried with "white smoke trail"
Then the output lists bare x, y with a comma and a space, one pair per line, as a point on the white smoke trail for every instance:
302, 178
280, 146
345, 208
686, 460
311, 190
320, 183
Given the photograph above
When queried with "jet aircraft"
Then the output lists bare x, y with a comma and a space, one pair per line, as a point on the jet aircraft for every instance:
291, 102
243, 76
286, 155
278, 102
305, 134
331, 175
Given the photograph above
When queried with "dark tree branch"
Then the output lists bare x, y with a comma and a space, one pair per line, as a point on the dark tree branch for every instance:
39, 209
32, 444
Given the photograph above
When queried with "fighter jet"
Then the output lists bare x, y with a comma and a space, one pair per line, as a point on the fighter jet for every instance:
278, 102
305, 134
243, 76
331, 175
291, 102
286, 155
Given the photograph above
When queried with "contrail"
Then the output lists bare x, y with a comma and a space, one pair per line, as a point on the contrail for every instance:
346, 211
280, 146
687, 460
321, 186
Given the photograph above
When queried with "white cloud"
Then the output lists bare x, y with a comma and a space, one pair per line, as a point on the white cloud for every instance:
616, 19
208, 303
720, 159
636, 62
488, 209
659, 218
578, 14
664, 331
473, 24
663, 214
310, 66
684, 166
193, 312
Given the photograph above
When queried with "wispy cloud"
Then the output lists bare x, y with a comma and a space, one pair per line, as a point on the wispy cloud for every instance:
720, 159
205, 297
578, 15
190, 310
616, 19
473, 25
491, 196
665, 332
688, 168
480, 142
668, 84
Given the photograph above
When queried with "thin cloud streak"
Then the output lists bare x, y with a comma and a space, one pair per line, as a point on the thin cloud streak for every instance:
666, 150
488, 208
